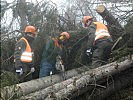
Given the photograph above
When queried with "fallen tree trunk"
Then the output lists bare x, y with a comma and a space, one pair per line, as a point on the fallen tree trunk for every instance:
104, 88
41, 94
73, 90
37, 84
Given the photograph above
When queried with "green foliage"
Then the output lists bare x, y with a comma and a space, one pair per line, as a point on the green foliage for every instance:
129, 26
125, 46
8, 78
125, 94
7, 50
74, 52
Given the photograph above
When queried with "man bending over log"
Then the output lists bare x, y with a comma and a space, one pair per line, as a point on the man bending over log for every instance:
51, 57
99, 42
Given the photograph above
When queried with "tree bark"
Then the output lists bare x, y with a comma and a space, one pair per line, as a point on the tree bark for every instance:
74, 84
106, 15
116, 30
80, 86
49, 91
37, 84
22, 12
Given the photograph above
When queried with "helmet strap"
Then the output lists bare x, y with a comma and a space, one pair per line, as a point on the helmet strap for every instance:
29, 33
88, 23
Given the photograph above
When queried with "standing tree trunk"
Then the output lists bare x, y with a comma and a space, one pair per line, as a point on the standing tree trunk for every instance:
22, 12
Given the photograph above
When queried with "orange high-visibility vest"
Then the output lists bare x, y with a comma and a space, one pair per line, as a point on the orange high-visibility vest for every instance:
101, 31
27, 54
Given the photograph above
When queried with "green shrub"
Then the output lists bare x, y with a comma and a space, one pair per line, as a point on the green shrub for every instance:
8, 78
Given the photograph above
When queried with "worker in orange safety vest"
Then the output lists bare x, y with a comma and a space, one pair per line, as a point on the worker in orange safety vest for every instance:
23, 56
99, 42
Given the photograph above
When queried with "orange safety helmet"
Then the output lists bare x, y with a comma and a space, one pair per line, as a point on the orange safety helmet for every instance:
30, 28
66, 34
86, 18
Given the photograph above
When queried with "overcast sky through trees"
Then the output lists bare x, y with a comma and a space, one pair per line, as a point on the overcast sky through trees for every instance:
63, 4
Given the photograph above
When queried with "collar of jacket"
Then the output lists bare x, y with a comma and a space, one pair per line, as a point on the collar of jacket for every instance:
56, 43
29, 38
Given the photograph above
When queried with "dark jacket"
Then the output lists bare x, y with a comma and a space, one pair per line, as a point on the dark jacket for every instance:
19, 49
91, 35
51, 51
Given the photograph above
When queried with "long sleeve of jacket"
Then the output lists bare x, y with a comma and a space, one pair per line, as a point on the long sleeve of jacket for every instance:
19, 49
91, 36
50, 46
50, 52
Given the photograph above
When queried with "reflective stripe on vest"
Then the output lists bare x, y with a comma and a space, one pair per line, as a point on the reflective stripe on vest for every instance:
27, 54
101, 31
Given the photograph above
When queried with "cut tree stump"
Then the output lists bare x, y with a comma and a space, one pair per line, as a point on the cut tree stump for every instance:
116, 30
106, 15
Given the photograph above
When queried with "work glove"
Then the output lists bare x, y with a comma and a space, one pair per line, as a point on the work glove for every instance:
89, 52
32, 70
59, 66
19, 71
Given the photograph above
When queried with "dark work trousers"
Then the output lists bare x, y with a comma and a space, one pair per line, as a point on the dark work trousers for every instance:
26, 76
101, 53
46, 68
